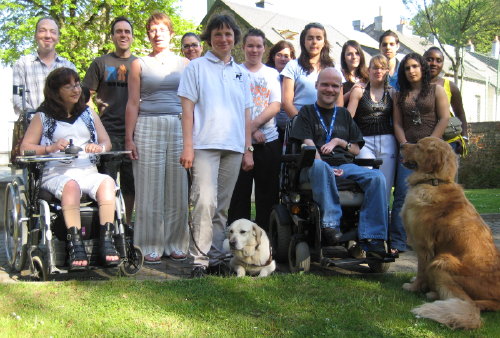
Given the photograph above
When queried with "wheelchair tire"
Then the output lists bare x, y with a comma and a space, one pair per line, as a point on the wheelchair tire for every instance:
15, 230
40, 272
133, 264
280, 229
379, 267
299, 257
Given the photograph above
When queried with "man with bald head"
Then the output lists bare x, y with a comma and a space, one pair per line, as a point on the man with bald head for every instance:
338, 140
31, 70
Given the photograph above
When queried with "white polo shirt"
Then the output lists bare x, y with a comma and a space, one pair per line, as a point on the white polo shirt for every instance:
221, 93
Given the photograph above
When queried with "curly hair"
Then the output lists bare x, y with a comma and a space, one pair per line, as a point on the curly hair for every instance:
304, 59
361, 72
404, 84
53, 104
278, 47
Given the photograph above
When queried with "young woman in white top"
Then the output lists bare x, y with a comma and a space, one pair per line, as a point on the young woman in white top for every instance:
299, 76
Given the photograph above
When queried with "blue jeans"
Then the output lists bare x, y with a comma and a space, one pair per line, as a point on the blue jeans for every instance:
373, 214
397, 231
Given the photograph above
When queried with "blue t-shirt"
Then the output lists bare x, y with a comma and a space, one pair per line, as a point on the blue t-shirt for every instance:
305, 90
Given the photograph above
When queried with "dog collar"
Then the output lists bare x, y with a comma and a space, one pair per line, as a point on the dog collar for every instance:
433, 181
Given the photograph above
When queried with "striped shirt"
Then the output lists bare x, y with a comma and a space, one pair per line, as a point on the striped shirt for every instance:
30, 72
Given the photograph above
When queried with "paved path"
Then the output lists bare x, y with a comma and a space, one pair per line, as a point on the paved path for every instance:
171, 270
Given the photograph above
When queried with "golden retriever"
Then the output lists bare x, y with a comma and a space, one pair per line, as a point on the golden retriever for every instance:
250, 248
458, 263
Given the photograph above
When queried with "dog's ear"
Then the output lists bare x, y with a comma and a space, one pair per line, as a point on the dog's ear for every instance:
257, 232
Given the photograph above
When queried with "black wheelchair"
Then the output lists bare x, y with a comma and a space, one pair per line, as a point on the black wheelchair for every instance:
295, 223
35, 233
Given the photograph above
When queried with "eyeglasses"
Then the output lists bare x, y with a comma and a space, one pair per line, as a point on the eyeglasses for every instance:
69, 87
158, 31
193, 45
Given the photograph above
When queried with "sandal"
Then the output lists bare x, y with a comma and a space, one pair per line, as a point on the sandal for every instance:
178, 255
152, 258
107, 246
76, 250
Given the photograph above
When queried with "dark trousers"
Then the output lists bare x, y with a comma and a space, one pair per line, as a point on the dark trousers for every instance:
265, 172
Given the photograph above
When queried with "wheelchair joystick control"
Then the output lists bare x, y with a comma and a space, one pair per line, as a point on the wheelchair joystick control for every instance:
71, 149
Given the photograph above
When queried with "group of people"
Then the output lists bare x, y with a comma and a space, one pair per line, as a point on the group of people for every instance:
222, 124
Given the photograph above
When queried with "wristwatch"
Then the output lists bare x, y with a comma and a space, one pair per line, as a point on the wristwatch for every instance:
348, 146
250, 149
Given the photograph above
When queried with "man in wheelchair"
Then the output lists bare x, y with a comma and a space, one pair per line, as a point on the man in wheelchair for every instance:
61, 117
338, 140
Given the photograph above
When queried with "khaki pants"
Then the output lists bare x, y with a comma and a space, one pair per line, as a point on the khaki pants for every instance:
214, 176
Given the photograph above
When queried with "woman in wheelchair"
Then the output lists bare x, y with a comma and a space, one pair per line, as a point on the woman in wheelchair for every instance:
61, 117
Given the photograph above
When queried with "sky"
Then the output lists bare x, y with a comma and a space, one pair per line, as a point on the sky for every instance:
341, 12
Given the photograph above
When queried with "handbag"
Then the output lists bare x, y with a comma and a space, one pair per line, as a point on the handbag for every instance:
17, 137
453, 129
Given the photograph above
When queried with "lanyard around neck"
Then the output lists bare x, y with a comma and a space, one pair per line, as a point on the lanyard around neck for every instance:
328, 132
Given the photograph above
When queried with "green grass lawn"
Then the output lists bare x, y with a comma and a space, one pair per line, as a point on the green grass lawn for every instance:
486, 201
281, 305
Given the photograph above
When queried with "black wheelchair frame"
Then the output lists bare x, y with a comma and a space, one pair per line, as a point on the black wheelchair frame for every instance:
295, 223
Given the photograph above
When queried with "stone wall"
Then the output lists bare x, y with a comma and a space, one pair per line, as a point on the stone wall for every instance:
481, 168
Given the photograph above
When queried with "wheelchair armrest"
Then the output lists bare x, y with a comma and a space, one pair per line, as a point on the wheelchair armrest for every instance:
302, 160
369, 162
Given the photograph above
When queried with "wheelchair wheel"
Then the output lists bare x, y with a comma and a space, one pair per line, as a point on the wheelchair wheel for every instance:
379, 267
16, 230
299, 257
280, 232
133, 263
40, 272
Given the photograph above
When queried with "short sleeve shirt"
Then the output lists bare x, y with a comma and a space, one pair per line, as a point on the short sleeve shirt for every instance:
305, 84
308, 126
266, 89
108, 77
220, 93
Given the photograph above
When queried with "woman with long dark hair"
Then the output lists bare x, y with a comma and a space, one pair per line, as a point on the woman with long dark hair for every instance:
299, 76
64, 116
352, 62
420, 109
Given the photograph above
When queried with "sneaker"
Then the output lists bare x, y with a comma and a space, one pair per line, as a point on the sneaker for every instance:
330, 236
374, 248
152, 258
198, 271
178, 255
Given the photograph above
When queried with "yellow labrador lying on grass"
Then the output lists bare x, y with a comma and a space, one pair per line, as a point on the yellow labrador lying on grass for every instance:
250, 248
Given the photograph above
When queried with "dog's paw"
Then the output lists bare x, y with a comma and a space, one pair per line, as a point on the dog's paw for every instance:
432, 295
412, 287
225, 245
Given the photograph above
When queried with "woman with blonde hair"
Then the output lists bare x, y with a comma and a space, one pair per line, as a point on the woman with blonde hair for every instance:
372, 108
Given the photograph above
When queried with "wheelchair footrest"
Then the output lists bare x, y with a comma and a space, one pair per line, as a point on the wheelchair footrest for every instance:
345, 262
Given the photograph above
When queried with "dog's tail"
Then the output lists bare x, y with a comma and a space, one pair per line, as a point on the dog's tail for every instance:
454, 313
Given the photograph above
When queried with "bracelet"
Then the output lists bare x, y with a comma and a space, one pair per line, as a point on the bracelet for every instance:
103, 148
45, 149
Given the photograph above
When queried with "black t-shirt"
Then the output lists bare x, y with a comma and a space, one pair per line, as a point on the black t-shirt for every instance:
108, 77
308, 126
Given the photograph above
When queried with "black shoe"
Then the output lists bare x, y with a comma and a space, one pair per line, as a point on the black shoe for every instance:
76, 249
222, 269
330, 236
374, 248
107, 246
198, 271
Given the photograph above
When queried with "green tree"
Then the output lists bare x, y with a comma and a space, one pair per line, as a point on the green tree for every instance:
455, 22
84, 26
